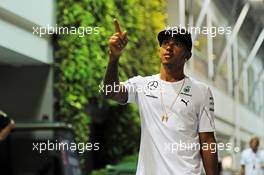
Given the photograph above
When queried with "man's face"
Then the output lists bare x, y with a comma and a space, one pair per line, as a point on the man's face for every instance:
173, 52
254, 144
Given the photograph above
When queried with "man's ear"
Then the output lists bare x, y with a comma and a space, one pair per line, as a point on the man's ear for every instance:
188, 55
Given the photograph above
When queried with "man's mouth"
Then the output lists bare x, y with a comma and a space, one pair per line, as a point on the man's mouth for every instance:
167, 55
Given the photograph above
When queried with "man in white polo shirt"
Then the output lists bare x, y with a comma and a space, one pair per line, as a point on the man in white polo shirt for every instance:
177, 112
252, 159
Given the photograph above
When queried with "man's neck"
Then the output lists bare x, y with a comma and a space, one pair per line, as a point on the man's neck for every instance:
171, 73
254, 150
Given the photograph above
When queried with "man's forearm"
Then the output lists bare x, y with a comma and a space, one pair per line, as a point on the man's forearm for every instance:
210, 161
209, 153
111, 75
112, 88
242, 170
4, 132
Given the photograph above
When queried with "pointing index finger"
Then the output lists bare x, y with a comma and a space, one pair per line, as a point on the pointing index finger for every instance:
117, 27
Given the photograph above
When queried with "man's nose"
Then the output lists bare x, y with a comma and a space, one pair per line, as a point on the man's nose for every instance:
169, 47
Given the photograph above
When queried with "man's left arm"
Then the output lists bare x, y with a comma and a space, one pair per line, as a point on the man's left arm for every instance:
209, 152
262, 158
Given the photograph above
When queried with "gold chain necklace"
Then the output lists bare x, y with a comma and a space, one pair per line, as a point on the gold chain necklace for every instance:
165, 116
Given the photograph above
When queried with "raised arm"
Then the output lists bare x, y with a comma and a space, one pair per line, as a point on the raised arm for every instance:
112, 87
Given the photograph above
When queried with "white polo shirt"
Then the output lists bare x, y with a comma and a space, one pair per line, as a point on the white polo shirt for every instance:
170, 148
252, 162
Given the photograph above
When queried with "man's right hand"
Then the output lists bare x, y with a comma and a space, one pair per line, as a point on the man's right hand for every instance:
117, 42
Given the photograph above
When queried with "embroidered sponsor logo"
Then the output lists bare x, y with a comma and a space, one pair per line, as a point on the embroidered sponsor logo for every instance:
211, 103
152, 96
187, 89
152, 85
186, 94
185, 102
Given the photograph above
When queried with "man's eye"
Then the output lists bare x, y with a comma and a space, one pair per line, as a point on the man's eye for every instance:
179, 44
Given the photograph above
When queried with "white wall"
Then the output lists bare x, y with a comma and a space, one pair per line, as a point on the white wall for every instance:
40, 12
26, 92
17, 18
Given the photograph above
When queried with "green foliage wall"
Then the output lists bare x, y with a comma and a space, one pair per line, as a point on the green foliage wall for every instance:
81, 61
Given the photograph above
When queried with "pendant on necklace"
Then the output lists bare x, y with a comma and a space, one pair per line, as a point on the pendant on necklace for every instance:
164, 118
